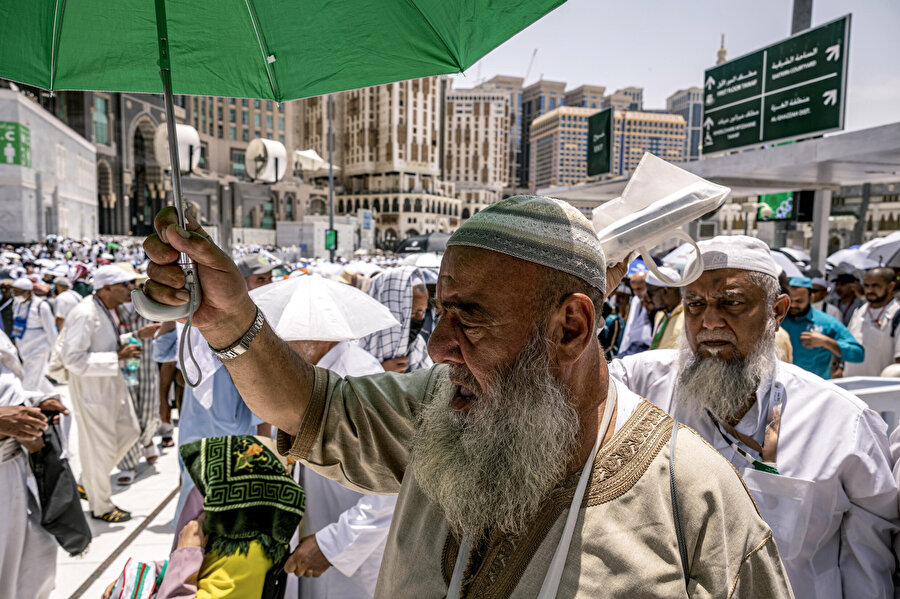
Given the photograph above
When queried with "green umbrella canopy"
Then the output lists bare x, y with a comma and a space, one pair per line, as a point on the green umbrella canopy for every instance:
276, 49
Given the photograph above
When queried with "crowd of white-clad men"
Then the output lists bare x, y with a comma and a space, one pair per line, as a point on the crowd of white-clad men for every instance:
67, 319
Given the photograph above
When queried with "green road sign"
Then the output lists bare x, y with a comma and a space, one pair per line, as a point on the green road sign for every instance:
789, 90
331, 239
15, 144
600, 139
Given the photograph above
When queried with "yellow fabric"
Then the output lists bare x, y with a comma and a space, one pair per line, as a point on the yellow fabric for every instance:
783, 347
234, 576
669, 338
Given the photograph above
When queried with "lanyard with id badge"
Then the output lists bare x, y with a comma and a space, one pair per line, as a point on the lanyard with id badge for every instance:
785, 503
20, 323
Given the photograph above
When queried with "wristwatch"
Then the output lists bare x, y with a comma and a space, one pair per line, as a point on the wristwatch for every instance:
242, 344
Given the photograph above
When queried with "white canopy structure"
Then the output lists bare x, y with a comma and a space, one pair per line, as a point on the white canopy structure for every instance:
311, 163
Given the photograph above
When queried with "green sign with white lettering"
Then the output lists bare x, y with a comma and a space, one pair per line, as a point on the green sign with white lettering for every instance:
15, 144
789, 90
331, 239
599, 153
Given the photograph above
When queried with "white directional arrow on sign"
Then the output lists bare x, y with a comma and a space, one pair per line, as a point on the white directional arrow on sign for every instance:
830, 97
708, 122
710, 82
833, 52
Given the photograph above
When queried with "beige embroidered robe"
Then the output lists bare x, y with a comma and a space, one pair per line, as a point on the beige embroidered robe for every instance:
358, 431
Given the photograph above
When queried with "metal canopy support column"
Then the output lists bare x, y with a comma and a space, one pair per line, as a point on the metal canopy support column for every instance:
820, 227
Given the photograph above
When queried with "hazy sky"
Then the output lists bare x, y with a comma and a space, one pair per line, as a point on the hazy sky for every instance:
665, 45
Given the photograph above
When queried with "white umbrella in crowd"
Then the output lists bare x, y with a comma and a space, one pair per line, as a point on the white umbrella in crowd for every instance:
319, 309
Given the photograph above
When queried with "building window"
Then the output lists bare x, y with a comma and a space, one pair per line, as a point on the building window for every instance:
268, 121
244, 102
281, 139
256, 103
268, 104
238, 168
256, 119
281, 123
245, 119
232, 115
232, 133
219, 132
204, 153
101, 121
245, 135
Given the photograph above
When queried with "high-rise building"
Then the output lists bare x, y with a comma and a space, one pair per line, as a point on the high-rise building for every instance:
559, 147
537, 99
513, 87
477, 146
635, 133
629, 98
689, 104
391, 155
586, 96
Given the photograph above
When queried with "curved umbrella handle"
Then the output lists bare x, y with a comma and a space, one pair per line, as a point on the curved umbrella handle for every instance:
157, 312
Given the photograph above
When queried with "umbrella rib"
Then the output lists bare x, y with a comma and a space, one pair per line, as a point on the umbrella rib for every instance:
54, 42
437, 35
263, 48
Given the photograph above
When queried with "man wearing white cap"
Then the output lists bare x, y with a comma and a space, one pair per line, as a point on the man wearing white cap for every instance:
876, 325
91, 350
521, 468
666, 300
34, 332
814, 456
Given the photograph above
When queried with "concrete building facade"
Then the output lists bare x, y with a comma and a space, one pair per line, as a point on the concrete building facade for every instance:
689, 104
635, 133
629, 98
559, 147
537, 99
391, 154
48, 174
513, 87
477, 146
586, 96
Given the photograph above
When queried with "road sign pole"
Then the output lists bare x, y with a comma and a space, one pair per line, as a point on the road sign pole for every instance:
330, 172
802, 16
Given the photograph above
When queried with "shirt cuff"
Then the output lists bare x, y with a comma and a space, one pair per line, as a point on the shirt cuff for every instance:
300, 446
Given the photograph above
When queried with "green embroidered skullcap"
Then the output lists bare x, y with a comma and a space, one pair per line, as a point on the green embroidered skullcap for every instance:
247, 494
545, 231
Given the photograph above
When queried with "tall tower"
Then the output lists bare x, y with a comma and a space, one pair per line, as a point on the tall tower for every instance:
720, 55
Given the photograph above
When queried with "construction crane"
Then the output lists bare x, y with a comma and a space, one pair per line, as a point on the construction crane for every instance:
530, 64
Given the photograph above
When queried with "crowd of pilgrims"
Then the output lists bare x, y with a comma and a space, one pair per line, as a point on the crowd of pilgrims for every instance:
75, 352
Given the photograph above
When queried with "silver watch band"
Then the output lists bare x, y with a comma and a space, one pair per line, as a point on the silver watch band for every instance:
242, 344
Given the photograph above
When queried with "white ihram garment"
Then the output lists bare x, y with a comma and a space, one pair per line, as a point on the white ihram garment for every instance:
27, 551
637, 327
107, 424
829, 439
872, 328
34, 346
351, 528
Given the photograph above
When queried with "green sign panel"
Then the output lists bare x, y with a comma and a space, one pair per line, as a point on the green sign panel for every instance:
782, 205
789, 90
331, 239
600, 140
15, 144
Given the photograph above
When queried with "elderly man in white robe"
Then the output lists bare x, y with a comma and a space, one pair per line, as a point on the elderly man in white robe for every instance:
92, 346
522, 469
27, 551
341, 557
814, 457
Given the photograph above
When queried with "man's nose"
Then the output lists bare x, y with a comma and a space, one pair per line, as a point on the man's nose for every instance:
442, 345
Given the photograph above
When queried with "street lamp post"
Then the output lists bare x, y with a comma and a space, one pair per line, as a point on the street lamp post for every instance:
765, 212
330, 172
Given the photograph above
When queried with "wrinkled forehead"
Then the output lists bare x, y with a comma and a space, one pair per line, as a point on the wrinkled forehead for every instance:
724, 281
488, 277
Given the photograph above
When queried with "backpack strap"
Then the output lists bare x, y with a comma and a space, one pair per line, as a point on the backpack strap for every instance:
676, 507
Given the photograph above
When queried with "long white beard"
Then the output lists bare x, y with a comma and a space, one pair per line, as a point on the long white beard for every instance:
496, 464
724, 387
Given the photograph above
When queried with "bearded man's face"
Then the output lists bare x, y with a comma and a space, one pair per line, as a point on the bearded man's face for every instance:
729, 342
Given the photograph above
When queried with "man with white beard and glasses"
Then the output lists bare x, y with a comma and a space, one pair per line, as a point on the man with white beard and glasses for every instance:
814, 457
522, 469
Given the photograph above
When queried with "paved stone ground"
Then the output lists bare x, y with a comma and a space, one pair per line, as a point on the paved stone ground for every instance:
151, 499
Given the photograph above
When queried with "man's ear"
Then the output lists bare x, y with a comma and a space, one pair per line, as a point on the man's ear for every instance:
781, 306
572, 328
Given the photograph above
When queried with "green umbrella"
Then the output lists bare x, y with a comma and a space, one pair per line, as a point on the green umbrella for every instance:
276, 49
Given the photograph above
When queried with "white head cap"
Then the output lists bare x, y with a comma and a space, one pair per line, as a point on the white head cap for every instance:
111, 275
665, 270
24, 284
736, 251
